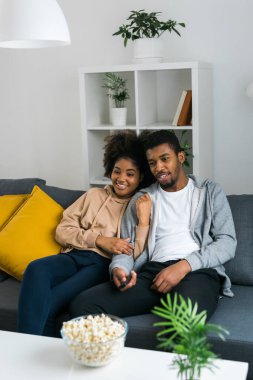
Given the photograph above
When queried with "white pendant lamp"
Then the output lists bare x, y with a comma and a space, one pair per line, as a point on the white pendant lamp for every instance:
32, 24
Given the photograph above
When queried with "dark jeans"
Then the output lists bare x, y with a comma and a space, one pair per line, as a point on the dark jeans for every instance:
201, 286
50, 283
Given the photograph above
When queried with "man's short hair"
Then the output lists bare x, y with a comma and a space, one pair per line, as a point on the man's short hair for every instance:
152, 139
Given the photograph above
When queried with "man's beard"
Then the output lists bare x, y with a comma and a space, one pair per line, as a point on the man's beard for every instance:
168, 185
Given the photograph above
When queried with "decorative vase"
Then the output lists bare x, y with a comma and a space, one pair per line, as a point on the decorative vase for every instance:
119, 116
148, 50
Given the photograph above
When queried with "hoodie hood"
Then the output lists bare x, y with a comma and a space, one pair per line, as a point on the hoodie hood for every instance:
198, 182
112, 195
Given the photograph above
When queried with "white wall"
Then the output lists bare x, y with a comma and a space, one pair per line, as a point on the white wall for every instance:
39, 95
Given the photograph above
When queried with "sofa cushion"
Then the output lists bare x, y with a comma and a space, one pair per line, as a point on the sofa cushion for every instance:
29, 233
8, 205
64, 197
19, 186
235, 314
240, 269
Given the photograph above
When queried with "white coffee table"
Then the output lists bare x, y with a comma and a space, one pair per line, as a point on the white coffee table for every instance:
29, 357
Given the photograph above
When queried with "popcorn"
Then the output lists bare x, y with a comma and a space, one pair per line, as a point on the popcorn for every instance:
94, 340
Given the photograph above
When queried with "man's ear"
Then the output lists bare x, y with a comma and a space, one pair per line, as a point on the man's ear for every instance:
181, 157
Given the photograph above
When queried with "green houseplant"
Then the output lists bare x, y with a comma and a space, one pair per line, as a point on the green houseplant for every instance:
186, 146
185, 333
146, 25
116, 87
144, 29
118, 92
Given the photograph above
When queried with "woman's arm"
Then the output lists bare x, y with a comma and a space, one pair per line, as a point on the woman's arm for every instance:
133, 230
70, 233
143, 210
114, 245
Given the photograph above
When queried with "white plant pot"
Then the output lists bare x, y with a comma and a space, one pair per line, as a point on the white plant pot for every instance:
119, 117
148, 50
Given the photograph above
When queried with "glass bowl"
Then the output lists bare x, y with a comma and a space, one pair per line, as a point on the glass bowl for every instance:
94, 340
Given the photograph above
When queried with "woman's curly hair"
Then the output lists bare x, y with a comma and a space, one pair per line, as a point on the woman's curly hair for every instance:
126, 144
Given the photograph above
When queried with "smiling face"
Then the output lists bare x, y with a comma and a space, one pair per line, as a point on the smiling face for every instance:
125, 177
167, 167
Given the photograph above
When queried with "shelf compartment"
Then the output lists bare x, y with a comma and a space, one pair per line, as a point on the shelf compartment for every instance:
98, 103
159, 93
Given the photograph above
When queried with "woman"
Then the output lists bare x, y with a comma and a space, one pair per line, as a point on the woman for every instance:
89, 234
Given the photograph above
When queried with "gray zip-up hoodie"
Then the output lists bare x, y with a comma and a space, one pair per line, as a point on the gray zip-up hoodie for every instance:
211, 225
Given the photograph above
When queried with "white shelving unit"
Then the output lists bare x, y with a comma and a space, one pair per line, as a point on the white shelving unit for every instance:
154, 91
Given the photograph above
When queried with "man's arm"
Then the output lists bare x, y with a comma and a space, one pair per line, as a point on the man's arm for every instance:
220, 226
222, 230
128, 225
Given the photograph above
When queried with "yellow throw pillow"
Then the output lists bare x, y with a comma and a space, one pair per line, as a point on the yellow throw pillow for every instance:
29, 233
8, 205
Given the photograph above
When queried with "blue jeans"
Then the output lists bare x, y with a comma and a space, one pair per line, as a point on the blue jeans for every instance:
50, 283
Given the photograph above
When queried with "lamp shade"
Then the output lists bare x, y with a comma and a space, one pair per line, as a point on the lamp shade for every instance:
32, 24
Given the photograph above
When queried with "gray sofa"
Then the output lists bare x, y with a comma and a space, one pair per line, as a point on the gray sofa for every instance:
235, 314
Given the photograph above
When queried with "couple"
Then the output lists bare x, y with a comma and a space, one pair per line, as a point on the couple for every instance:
182, 231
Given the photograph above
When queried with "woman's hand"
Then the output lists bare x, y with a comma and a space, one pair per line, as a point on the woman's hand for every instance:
143, 208
114, 245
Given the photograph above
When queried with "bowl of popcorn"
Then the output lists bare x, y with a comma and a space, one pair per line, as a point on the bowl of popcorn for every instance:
94, 340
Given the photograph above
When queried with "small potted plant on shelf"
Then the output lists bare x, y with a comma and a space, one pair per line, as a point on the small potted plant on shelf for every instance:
145, 29
186, 147
118, 92
185, 333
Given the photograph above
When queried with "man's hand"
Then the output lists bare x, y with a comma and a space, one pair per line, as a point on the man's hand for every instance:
169, 277
122, 281
114, 245
143, 209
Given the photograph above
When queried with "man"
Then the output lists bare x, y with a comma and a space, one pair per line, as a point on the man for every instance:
190, 236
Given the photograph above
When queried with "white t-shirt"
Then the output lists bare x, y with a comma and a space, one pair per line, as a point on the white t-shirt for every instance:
173, 239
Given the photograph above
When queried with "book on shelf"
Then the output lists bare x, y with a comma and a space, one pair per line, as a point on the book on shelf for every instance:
179, 107
186, 112
183, 113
